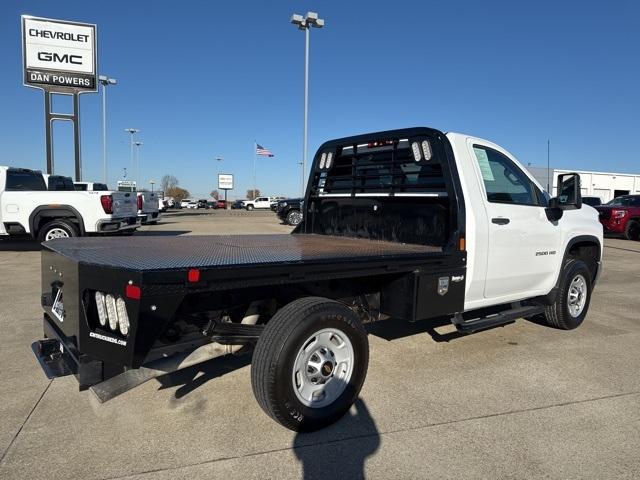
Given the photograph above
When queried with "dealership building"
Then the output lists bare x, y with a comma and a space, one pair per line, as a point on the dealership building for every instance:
605, 185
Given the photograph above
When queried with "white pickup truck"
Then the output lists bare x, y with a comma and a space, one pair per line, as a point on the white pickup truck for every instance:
405, 225
27, 206
148, 207
258, 203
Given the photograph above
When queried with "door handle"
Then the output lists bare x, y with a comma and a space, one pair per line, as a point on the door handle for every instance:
500, 221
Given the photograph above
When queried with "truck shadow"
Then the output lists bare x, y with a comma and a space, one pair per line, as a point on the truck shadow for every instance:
191, 378
320, 453
340, 450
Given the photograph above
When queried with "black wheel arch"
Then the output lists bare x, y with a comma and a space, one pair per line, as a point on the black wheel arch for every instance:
53, 212
588, 243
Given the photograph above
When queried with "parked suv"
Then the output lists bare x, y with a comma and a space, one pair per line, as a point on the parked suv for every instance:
622, 216
290, 211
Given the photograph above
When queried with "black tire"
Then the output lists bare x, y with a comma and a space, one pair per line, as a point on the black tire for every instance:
249, 207
61, 224
632, 230
274, 357
558, 315
294, 217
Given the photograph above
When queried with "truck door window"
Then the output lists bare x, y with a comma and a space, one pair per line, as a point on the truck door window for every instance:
503, 180
24, 180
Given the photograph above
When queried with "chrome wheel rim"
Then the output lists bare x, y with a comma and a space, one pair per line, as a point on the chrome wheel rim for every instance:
323, 368
577, 295
295, 218
56, 233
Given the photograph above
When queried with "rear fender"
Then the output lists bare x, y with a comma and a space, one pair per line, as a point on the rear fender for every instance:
52, 212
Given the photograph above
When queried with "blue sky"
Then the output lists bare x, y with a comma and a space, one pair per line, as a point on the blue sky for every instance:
205, 79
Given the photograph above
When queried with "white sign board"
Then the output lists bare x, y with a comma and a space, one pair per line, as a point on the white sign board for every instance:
57, 53
225, 181
126, 186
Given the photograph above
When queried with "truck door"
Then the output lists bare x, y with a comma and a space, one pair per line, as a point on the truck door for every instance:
523, 244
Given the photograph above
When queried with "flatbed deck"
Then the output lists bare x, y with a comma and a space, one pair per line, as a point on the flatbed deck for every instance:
223, 251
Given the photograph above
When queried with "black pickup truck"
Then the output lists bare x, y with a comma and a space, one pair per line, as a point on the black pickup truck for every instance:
290, 211
384, 236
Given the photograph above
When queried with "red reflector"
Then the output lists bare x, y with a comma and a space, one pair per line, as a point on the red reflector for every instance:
193, 275
133, 291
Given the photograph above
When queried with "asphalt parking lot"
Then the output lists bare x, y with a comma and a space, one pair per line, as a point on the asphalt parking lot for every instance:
520, 401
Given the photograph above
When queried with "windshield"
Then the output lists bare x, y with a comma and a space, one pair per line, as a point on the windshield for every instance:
625, 202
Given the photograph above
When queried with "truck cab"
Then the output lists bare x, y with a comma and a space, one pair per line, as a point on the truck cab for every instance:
90, 187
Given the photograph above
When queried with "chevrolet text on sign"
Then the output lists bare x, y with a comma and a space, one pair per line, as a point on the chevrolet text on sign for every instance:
225, 181
59, 53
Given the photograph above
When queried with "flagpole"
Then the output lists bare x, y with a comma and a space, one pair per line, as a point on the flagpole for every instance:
255, 157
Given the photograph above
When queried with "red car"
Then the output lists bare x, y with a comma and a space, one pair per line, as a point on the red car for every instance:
622, 216
220, 204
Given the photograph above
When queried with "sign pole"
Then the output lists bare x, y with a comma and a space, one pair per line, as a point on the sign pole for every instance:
76, 135
47, 131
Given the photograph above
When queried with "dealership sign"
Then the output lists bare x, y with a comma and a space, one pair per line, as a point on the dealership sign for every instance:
225, 181
59, 55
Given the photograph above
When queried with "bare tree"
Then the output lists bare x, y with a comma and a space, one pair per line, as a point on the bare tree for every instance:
253, 194
177, 193
215, 194
169, 182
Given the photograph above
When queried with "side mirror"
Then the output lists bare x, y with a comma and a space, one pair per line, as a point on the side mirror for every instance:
569, 196
569, 193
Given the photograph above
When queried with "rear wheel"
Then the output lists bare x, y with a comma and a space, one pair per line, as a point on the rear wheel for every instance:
59, 228
294, 217
572, 302
632, 230
310, 363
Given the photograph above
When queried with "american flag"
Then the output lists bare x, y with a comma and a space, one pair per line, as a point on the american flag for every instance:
260, 150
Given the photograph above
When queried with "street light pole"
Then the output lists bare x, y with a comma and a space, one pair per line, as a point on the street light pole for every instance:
132, 131
138, 145
220, 159
105, 81
305, 23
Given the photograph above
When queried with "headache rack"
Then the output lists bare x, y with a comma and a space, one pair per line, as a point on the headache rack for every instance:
393, 186
388, 166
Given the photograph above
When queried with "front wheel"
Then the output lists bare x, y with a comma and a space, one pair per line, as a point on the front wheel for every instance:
310, 363
574, 294
249, 207
632, 230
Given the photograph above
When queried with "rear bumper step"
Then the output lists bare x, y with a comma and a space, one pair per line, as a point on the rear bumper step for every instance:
50, 354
